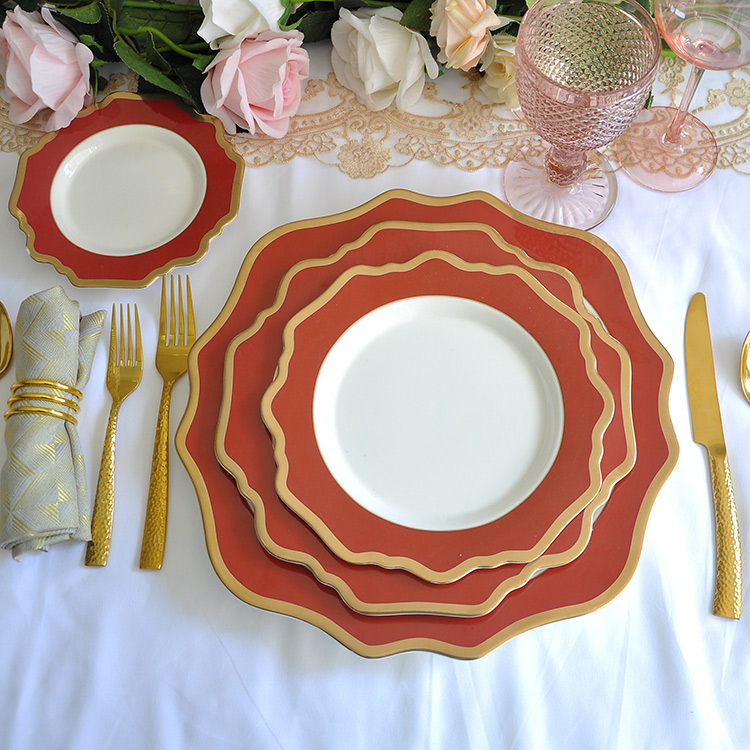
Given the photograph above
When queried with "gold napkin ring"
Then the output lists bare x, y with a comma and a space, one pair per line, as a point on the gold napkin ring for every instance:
40, 410
47, 384
68, 403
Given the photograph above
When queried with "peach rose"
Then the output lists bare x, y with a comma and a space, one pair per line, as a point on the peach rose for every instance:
257, 83
461, 28
45, 69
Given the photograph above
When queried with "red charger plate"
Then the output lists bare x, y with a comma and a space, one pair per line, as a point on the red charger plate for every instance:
592, 579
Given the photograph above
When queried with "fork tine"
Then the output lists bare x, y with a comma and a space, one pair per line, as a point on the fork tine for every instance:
172, 317
181, 328
138, 345
163, 312
191, 316
112, 342
121, 359
129, 359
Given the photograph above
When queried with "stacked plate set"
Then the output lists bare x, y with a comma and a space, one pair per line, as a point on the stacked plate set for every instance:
427, 423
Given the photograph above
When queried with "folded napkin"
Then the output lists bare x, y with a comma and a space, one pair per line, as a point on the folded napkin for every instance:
43, 494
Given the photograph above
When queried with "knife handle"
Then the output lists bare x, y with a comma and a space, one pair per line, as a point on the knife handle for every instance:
728, 594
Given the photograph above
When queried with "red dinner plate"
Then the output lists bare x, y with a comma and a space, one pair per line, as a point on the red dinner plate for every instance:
132, 188
592, 579
251, 361
519, 526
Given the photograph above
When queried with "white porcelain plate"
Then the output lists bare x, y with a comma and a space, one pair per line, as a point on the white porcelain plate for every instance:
425, 397
128, 189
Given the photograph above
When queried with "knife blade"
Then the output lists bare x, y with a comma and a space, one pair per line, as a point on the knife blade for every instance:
708, 431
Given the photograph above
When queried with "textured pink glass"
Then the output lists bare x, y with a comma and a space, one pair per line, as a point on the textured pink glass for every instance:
670, 149
584, 69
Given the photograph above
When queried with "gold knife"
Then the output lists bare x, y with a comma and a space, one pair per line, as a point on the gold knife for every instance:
707, 430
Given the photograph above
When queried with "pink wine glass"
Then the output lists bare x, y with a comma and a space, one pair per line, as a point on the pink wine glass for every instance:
584, 69
669, 149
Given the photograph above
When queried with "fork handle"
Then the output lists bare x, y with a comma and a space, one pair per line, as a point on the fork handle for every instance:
97, 550
155, 528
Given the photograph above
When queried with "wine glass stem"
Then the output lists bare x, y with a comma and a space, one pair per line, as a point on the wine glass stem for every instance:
564, 167
674, 130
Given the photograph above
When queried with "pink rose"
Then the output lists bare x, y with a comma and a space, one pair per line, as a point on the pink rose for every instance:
461, 28
257, 83
45, 69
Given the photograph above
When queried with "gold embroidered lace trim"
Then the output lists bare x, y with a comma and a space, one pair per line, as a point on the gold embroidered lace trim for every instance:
452, 125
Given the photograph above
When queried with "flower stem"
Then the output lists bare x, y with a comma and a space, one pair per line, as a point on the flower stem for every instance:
164, 38
162, 6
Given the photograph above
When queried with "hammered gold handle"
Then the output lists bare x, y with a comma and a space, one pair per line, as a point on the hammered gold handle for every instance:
97, 550
155, 528
728, 595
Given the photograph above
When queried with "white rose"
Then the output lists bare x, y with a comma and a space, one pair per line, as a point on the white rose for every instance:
228, 22
498, 64
380, 60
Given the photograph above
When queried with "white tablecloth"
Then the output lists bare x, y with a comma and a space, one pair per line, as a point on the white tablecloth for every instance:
122, 658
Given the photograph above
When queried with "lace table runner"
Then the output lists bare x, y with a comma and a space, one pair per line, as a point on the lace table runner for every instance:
453, 124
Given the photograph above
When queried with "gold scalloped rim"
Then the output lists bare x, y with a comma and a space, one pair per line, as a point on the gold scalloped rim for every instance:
154, 274
544, 560
404, 561
426, 644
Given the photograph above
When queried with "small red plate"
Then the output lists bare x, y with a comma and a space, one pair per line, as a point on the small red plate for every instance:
132, 188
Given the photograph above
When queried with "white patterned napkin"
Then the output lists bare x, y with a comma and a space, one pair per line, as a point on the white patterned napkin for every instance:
43, 494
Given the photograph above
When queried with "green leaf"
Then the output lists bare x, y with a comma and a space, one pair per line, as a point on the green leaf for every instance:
88, 14
136, 63
192, 80
91, 42
288, 6
316, 25
202, 62
177, 26
29, 5
417, 16
511, 8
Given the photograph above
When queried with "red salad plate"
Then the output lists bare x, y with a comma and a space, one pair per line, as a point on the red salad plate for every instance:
132, 188
445, 449
597, 575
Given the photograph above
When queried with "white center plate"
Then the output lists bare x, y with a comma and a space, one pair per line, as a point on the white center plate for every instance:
128, 189
430, 399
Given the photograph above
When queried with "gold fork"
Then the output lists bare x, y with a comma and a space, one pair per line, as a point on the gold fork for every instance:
175, 340
123, 376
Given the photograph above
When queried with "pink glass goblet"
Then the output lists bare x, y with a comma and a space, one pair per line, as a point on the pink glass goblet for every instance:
669, 149
583, 69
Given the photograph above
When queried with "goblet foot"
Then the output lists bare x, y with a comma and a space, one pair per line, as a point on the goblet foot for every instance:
582, 205
655, 163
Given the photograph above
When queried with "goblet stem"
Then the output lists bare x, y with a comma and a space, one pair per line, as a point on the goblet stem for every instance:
564, 167
674, 131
